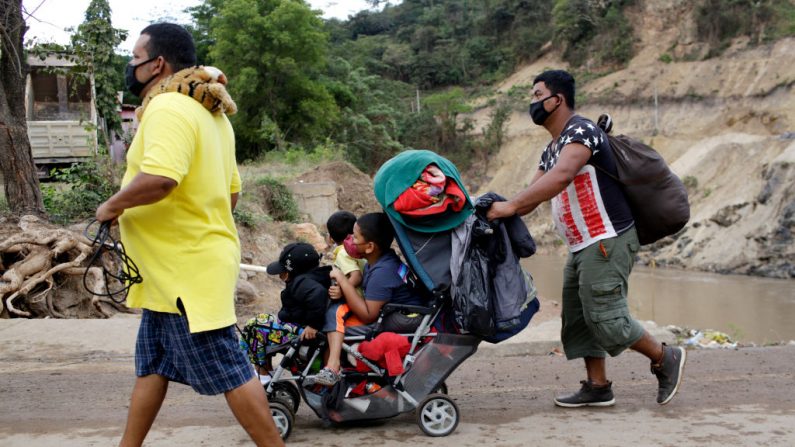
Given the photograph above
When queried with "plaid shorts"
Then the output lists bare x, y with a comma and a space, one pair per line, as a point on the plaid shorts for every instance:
210, 362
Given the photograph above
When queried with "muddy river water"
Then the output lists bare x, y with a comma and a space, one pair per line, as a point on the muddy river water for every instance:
750, 309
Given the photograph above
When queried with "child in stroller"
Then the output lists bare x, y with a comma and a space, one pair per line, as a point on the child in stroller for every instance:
304, 301
384, 282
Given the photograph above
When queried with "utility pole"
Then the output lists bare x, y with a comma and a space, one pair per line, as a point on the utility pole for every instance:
656, 111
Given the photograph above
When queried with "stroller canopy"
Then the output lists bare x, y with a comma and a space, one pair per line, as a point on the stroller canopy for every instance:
400, 172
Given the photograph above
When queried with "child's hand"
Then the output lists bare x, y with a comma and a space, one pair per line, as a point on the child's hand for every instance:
309, 333
336, 275
335, 292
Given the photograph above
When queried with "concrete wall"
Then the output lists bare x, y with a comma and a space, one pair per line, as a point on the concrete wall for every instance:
317, 200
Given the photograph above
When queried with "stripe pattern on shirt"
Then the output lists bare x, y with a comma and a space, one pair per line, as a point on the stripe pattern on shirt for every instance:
579, 212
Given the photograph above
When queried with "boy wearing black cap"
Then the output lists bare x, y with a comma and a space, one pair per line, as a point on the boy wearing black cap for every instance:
304, 301
305, 295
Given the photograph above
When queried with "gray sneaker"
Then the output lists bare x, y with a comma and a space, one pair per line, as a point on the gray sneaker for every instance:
327, 377
588, 396
669, 372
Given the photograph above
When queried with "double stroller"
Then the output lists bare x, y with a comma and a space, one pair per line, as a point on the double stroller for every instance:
432, 356
436, 348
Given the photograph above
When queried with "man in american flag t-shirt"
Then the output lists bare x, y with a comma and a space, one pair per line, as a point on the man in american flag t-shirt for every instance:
593, 217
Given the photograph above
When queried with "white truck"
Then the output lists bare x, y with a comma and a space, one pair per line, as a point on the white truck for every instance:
61, 114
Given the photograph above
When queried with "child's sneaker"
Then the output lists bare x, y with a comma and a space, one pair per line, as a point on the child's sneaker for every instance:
327, 377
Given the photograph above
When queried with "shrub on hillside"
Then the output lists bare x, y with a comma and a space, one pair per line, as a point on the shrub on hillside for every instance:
278, 199
597, 32
719, 21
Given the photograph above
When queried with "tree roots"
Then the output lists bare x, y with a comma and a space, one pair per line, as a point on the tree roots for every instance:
42, 269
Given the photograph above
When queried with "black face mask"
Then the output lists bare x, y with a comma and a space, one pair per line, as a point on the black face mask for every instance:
133, 84
538, 113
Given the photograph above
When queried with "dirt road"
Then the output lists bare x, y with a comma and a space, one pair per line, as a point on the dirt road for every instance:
743, 397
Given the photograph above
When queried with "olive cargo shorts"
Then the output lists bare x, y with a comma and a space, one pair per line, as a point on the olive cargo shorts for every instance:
596, 318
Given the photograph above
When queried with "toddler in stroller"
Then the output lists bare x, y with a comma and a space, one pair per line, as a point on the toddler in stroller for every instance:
304, 301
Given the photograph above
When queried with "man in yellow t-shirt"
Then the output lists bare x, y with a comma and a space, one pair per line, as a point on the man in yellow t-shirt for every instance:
175, 212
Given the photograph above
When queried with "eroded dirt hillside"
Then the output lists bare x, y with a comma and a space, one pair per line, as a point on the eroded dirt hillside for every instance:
726, 125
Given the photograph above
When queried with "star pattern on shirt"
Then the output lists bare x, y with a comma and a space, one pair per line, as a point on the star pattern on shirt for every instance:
580, 131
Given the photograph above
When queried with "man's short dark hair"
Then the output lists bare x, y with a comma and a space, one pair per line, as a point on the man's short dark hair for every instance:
173, 42
340, 225
558, 82
376, 228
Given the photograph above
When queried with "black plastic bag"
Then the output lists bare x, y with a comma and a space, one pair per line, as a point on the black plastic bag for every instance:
472, 305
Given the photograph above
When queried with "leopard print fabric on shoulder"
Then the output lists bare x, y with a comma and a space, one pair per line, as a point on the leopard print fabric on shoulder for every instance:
207, 85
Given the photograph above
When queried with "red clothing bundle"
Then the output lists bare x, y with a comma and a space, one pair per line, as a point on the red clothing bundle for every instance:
432, 193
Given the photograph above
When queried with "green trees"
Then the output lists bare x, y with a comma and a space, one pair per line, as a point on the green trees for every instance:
274, 52
595, 32
721, 20
300, 81
94, 45
454, 42
370, 114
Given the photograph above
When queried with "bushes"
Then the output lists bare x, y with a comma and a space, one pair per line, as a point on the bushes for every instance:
82, 187
85, 186
593, 32
719, 21
278, 199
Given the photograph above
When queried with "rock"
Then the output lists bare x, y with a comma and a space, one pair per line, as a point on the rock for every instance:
728, 214
245, 292
308, 232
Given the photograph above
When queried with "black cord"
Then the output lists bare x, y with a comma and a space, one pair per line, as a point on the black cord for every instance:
128, 274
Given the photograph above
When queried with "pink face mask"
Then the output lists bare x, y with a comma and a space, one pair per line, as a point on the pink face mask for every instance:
351, 248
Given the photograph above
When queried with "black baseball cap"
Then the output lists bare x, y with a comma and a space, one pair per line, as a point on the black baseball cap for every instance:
296, 257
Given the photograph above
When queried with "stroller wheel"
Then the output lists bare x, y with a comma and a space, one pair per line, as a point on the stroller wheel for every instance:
286, 394
437, 415
283, 418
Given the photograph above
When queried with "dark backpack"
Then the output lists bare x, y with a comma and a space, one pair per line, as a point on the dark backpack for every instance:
656, 196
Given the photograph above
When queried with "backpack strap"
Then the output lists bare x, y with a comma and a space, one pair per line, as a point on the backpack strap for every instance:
605, 122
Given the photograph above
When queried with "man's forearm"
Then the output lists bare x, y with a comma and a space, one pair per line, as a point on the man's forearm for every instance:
144, 189
545, 188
